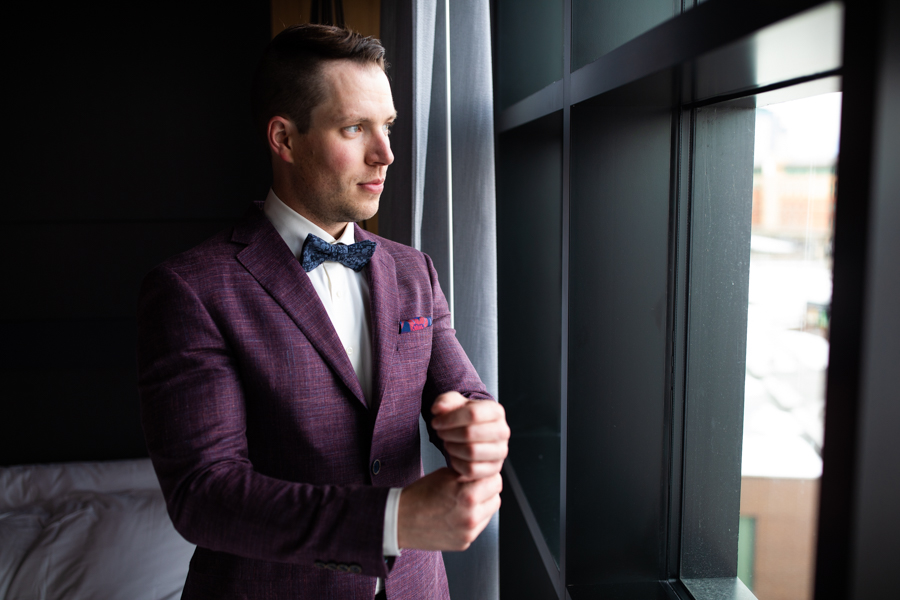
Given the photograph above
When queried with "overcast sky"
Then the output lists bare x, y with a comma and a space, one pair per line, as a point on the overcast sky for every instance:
799, 132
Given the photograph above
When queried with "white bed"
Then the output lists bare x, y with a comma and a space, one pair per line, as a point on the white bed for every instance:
88, 531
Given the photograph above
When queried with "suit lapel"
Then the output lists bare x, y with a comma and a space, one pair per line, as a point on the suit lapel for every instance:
384, 312
276, 269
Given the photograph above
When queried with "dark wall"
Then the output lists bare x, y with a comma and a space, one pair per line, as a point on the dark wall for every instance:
129, 139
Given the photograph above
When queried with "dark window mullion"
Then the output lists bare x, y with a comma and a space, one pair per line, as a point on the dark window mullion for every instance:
539, 104
564, 321
707, 27
682, 140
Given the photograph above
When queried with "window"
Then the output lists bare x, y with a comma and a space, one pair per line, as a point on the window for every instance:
791, 240
626, 194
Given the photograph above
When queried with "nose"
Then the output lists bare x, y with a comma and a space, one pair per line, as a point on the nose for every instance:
379, 150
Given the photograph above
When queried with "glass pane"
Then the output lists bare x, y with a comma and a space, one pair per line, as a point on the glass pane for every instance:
787, 341
599, 26
529, 192
529, 47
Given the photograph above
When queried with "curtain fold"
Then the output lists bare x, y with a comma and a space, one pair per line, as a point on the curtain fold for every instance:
454, 208
440, 197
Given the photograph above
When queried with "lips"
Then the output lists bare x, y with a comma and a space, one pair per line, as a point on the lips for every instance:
375, 186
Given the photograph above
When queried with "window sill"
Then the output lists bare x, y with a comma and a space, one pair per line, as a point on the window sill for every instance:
718, 588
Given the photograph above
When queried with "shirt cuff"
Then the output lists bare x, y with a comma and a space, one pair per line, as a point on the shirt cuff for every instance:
391, 546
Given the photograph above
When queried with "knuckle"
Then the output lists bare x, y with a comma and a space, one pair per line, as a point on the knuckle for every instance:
463, 467
474, 516
465, 451
470, 523
463, 524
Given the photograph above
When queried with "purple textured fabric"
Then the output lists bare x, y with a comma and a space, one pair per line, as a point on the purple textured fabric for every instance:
258, 428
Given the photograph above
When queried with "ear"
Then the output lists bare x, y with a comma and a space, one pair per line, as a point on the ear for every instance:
281, 134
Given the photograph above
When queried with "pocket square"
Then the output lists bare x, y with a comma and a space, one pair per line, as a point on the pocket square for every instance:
415, 324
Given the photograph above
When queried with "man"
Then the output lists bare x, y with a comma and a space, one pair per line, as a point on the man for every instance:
281, 388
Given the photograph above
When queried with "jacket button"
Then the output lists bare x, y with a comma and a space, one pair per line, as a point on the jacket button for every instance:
376, 466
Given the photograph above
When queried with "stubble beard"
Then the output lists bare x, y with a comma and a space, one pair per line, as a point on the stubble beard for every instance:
343, 209
337, 207
353, 212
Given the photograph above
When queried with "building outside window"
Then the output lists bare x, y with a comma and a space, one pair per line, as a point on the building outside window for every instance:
795, 160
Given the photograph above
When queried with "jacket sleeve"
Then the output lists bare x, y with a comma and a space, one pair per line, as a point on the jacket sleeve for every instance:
194, 418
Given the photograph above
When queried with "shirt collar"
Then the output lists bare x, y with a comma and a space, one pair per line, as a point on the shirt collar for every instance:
294, 227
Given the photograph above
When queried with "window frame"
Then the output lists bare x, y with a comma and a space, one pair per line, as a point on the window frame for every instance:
694, 32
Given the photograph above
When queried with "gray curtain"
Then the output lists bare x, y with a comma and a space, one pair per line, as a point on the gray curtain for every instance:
440, 197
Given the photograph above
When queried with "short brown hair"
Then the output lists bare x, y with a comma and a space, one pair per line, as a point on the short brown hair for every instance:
288, 79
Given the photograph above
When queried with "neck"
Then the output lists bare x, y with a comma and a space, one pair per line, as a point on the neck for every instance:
293, 201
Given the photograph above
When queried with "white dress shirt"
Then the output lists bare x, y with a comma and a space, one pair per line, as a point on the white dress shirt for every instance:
345, 296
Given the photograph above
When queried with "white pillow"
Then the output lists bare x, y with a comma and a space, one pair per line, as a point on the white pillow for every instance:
19, 530
26, 484
82, 544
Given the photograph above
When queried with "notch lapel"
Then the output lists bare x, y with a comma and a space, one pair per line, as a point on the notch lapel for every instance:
278, 271
384, 312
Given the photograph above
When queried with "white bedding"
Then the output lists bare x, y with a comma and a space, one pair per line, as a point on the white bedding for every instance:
88, 531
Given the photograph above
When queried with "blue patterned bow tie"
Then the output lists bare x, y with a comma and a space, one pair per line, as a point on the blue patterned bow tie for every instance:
316, 251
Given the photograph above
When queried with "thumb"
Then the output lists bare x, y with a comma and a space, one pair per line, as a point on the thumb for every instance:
447, 403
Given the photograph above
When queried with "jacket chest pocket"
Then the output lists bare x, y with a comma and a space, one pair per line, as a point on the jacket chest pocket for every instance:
412, 358
415, 340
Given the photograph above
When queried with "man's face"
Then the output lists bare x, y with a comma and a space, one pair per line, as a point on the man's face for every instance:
340, 163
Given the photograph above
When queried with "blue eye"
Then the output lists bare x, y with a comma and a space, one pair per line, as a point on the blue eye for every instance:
387, 128
353, 129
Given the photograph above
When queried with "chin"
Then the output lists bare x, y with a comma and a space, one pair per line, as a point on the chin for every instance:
366, 213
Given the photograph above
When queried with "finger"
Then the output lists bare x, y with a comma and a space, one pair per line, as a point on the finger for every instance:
470, 471
485, 514
491, 507
478, 471
473, 411
448, 402
472, 534
495, 431
485, 510
477, 452
476, 492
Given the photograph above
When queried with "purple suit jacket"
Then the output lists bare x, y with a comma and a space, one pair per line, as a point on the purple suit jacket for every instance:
257, 426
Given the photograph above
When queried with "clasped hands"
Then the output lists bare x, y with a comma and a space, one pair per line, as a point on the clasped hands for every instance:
447, 509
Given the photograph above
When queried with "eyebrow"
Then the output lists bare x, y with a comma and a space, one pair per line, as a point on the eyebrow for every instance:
356, 118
